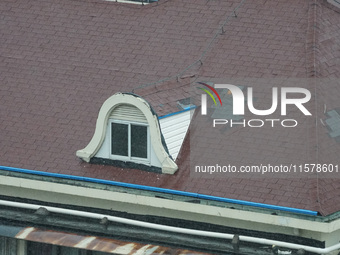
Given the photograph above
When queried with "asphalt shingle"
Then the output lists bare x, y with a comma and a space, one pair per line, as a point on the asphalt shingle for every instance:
60, 61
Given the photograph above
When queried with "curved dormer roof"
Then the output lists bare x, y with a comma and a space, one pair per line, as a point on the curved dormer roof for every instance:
126, 108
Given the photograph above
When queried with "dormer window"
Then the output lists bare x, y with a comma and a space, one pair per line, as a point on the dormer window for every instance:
130, 141
128, 134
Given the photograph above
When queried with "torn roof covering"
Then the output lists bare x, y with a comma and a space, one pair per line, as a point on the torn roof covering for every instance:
175, 121
59, 66
333, 123
174, 115
174, 108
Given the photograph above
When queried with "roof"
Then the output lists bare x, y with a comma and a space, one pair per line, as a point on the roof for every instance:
60, 61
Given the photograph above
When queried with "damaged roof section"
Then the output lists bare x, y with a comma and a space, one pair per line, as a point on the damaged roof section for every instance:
173, 104
333, 123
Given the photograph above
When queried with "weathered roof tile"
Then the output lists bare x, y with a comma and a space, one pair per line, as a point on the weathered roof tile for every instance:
60, 61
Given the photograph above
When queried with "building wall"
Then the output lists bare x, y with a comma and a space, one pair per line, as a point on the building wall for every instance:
140, 204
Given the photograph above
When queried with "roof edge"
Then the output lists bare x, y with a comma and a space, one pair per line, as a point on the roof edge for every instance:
163, 190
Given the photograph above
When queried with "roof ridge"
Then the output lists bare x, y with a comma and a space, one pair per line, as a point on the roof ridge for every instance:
312, 39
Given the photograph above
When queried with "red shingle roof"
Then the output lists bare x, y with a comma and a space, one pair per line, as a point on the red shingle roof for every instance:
61, 60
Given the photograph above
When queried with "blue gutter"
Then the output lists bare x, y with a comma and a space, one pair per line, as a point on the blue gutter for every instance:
175, 113
162, 190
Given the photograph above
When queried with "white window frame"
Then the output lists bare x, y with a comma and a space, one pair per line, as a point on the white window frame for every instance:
129, 157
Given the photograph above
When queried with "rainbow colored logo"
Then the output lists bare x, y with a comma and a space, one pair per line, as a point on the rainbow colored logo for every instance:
209, 93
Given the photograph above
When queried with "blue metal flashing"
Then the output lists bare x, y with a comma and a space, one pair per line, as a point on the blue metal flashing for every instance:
162, 190
175, 113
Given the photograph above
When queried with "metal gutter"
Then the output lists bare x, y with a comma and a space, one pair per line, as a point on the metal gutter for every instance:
175, 113
161, 190
93, 243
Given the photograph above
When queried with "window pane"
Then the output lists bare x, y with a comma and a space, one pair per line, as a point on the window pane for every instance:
119, 145
139, 141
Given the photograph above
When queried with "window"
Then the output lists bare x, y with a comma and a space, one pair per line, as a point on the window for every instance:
129, 141
128, 135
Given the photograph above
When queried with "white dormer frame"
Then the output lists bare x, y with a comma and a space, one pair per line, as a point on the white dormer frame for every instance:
167, 164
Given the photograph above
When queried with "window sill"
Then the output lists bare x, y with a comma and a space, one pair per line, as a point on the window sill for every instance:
125, 164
